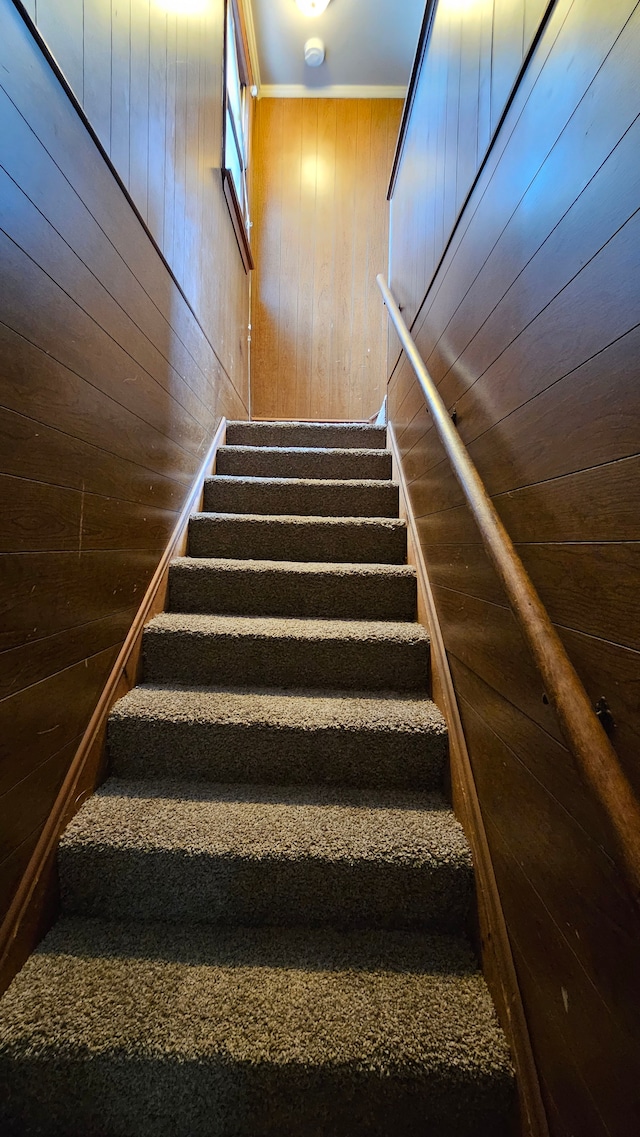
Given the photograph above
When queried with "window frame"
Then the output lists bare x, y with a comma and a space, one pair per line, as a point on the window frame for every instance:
238, 210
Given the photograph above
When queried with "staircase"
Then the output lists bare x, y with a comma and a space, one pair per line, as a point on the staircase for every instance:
264, 907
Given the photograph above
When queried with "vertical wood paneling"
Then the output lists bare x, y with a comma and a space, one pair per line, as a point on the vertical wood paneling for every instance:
323, 269
290, 234
506, 53
529, 328
97, 68
193, 169
150, 81
157, 124
357, 394
60, 22
343, 295
321, 232
382, 143
169, 195
177, 257
304, 331
471, 62
139, 102
110, 387
268, 160
120, 87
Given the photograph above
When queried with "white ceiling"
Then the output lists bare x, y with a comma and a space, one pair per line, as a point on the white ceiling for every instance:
369, 43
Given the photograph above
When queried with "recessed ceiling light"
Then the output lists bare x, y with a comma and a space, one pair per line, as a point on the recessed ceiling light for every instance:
312, 7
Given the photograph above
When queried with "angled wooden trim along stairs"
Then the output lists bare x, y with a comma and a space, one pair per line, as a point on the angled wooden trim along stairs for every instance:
34, 905
495, 948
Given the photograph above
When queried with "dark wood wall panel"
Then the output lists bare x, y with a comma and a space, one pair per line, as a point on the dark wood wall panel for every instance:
320, 168
150, 81
111, 385
530, 330
472, 59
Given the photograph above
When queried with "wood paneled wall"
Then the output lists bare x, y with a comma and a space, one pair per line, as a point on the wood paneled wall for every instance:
150, 82
320, 173
530, 329
473, 56
110, 393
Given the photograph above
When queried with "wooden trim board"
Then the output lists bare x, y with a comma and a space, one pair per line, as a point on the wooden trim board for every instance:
35, 904
497, 958
331, 91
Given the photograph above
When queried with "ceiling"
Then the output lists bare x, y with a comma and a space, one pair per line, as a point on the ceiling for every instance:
367, 45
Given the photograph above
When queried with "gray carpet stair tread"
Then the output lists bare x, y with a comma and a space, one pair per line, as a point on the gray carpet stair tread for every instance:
275, 822
356, 435
306, 711
305, 496
303, 462
275, 627
264, 907
298, 538
166, 1031
292, 588
267, 855
269, 736
192, 648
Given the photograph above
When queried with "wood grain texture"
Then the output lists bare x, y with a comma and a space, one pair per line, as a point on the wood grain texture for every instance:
51, 790
529, 328
319, 178
471, 63
150, 82
111, 387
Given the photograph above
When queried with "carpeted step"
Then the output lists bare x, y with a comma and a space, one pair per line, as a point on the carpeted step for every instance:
312, 737
309, 497
347, 435
292, 588
303, 462
252, 855
167, 1031
361, 540
271, 651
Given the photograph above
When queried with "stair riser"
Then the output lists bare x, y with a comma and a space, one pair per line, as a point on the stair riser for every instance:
306, 434
255, 754
244, 1100
180, 657
126, 884
306, 500
257, 463
266, 540
269, 593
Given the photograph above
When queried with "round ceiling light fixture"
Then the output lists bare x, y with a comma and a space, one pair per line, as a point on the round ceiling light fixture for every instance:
314, 52
312, 7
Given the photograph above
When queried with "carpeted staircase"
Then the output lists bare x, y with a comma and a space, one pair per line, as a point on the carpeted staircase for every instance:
265, 906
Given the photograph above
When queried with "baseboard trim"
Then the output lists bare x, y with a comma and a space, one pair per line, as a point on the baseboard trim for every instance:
497, 958
35, 904
337, 91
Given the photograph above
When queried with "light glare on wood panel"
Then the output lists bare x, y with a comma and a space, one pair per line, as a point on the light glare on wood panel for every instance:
184, 7
461, 7
316, 173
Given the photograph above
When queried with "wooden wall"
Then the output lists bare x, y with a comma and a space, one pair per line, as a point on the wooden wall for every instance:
530, 329
320, 173
110, 392
475, 51
150, 82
